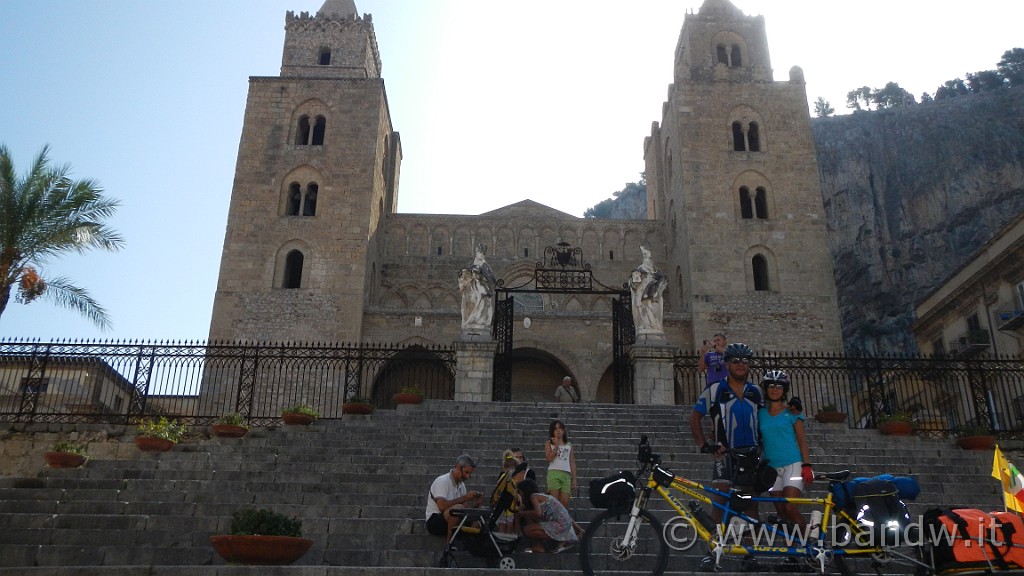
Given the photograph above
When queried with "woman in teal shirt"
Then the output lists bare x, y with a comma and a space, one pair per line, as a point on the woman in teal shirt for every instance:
785, 445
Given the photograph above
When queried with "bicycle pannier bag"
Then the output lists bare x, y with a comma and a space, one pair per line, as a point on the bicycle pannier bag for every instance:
880, 510
613, 492
971, 538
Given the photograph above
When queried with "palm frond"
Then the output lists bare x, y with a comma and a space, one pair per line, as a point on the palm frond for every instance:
65, 294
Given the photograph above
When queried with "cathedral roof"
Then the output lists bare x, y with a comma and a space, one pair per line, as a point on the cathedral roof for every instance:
720, 7
338, 9
527, 208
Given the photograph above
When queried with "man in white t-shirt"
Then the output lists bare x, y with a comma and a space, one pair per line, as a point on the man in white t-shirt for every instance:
448, 492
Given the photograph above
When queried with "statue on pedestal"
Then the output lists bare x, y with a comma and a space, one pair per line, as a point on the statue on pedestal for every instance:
476, 285
646, 285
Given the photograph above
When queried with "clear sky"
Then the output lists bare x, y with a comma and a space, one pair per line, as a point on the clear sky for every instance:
496, 102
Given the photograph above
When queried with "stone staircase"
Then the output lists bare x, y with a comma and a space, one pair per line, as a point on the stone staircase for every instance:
359, 486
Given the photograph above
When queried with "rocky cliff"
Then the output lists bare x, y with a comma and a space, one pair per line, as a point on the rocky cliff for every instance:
910, 195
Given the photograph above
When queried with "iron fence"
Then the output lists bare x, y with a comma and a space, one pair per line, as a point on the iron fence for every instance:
122, 382
943, 396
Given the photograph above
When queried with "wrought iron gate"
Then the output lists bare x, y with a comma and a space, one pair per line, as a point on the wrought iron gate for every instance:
563, 271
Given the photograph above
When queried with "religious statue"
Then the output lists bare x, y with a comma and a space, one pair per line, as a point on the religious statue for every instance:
646, 285
476, 285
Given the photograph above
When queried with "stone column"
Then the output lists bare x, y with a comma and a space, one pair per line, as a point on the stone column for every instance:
653, 373
474, 370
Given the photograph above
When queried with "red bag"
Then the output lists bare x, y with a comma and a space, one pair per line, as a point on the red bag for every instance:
971, 537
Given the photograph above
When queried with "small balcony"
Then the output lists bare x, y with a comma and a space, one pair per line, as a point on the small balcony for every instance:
971, 342
1008, 319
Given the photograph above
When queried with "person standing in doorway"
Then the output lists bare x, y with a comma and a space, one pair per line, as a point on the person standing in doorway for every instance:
566, 392
712, 359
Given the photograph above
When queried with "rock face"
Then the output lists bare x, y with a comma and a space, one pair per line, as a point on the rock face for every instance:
911, 194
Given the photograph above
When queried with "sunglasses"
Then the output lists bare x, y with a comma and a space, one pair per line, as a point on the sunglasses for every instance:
739, 360
775, 385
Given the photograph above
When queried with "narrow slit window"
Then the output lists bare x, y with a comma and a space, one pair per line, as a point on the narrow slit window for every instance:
760, 269
293, 270
746, 208
302, 132
761, 203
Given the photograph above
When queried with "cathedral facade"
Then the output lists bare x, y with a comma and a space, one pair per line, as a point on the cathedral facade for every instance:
315, 250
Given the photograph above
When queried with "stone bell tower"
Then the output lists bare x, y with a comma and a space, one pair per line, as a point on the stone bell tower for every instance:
732, 173
317, 171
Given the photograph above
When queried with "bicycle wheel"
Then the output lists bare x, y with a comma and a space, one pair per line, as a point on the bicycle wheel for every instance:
602, 552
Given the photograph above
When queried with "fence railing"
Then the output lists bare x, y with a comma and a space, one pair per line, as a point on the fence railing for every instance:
121, 382
942, 395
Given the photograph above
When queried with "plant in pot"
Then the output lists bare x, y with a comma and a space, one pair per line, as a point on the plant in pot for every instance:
897, 424
299, 415
357, 405
66, 454
408, 395
262, 537
159, 434
975, 438
830, 414
231, 425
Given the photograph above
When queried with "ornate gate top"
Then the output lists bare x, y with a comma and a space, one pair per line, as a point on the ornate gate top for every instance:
562, 270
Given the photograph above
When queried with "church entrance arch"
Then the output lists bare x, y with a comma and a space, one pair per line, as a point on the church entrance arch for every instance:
562, 271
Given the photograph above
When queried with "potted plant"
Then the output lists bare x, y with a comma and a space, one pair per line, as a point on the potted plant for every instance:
159, 434
299, 415
897, 424
66, 454
830, 414
357, 405
262, 537
231, 425
408, 395
975, 438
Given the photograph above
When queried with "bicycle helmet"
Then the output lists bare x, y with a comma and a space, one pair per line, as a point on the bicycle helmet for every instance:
776, 376
737, 350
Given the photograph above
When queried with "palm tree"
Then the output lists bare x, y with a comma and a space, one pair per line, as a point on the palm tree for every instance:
45, 214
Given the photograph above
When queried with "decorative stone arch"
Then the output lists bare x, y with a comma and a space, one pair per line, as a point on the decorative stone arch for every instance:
760, 269
504, 243
285, 261
747, 130
611, 243
441, 244
526, 243
418, 240
309, 123
537, 371
729, 49
394, 297
568, 233
395, 238
462, 241
302, 185
753, 197
483, 235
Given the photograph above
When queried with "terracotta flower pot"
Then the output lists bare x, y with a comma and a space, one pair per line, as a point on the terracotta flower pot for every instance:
153, 444
896, 428
356, 408
830, 417
407, 398
260, 550
63, 459
229, 430
297, 419
979, 442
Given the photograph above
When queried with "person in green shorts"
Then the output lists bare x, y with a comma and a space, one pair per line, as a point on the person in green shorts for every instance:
561, 463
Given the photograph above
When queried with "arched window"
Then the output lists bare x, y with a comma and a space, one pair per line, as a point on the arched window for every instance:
318, 131
723, 56
746, 207
753, 137
294, 199
302, 133
734, 57
761, 203
325, 57
309, 201
738, 142
760, 268
293, 270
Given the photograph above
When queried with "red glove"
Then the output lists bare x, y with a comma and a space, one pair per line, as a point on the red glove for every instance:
806, 473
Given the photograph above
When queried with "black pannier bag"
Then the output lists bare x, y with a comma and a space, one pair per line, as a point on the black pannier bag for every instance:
613, 492
753, 472
880, 511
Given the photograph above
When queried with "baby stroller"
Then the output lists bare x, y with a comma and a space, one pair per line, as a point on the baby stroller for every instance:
477, 532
